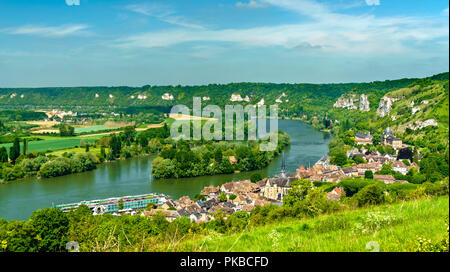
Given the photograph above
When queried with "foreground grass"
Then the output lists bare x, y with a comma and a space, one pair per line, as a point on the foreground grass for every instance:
404, 223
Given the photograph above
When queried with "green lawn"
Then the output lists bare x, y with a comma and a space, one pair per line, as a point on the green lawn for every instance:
339, 232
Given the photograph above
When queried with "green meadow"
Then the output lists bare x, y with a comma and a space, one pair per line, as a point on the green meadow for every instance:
389, 228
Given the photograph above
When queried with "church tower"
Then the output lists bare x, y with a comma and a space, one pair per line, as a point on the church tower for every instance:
283, 167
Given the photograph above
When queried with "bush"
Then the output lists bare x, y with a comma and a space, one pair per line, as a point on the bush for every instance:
237, 221
368, 174
354, 185
255, 177
370, 195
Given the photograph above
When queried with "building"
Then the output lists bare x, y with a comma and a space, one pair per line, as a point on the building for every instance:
363, 138
350, 171
363, 167
388, 138
335, 194
277, 187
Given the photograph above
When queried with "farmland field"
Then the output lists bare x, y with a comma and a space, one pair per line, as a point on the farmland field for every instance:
53, 143
91, 129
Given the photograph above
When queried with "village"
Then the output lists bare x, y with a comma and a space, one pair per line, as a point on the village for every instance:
245, 195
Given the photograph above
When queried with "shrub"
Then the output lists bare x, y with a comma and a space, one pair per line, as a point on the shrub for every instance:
255, 177
370, 195
368, 174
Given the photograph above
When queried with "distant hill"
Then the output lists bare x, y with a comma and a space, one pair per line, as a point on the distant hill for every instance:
294, 99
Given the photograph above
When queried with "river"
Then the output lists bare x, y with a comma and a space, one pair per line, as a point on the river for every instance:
132, 176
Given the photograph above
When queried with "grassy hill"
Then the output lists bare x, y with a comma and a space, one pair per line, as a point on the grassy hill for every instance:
394, 227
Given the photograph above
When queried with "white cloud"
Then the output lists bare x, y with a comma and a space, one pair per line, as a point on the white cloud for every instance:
163, 13
373, 2
325, 31
47, 31
251, 4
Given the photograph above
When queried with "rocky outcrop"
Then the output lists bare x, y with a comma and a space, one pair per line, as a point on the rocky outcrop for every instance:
364, 103
205, 98
415, 109
345, 103
142, 96
167, 96
238, 98
260, 103
385, 106
278, 100
419, 125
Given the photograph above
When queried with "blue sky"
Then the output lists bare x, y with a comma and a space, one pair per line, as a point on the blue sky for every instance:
190, 42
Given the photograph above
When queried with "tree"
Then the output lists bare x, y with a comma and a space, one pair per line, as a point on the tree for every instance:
368, 174
25, 146
66, 130
338, 157
3, 154
370, 195
255, 177
143, 141
223, 197
51, 226
299, 190
405, 153
14, 150
115, 145
102, 151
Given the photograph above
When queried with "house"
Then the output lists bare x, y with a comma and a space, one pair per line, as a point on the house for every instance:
183, 202
335, 194
350, 171
363, 138
363, 167
376, 158
168, 204
399, 166
239, 187
248, 207
388, 138
211, 191
354, 152
169, 214
387, 179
